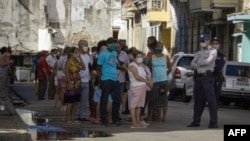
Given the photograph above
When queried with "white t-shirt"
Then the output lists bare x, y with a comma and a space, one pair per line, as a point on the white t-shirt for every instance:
85, 76
51, 61
133, 81
123, 57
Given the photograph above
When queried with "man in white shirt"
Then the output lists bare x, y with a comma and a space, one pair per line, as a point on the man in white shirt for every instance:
51, 60
83, 106
123, 62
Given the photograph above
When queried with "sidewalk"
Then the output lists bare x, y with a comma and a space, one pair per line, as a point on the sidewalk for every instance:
174, 130
12, 126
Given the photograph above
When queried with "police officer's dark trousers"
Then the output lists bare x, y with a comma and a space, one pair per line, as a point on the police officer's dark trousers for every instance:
217, 89
204, 92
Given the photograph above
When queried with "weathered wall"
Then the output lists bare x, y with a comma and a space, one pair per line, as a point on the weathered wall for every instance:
24, 22
19, 20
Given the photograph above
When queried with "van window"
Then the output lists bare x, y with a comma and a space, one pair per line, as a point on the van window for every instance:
185, 62
236, 70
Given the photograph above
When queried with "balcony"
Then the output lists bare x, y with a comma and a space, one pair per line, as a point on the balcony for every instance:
223, 4
155, 12
196, 6
140, 4
130, 7
127, 15
157, 16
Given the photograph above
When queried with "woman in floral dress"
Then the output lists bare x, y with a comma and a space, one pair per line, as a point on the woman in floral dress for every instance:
73, 88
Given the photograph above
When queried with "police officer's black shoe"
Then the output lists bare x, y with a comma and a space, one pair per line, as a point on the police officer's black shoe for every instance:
212, 126
194, 125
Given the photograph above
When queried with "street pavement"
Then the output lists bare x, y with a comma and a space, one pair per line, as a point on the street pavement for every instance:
54, 126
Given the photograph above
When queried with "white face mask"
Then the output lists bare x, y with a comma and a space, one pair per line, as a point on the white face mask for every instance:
85, 49
203, 44
139, 60
216, 47
55, 55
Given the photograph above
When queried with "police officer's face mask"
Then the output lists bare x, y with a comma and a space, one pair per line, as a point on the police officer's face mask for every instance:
216, 47
203, 44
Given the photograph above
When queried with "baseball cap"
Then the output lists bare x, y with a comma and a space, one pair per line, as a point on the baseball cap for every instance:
216, 39
204, 37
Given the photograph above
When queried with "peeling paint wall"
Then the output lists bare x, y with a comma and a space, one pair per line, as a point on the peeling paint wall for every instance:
19, 21
24, 22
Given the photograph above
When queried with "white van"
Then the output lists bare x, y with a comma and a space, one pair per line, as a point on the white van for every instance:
236, 85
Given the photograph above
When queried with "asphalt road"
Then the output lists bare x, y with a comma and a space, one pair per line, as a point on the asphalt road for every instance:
179, 115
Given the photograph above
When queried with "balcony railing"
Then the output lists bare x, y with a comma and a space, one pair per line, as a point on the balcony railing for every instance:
155, 11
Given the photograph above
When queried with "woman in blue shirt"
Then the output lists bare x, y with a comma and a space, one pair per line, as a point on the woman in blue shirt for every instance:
159, 63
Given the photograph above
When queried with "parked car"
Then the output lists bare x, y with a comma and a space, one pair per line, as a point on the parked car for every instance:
181, 64
236, 85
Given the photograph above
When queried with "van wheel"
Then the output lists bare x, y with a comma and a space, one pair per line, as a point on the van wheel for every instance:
246, 105
171, 95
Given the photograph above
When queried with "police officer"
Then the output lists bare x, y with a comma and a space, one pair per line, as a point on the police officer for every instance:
219, 64
203, 63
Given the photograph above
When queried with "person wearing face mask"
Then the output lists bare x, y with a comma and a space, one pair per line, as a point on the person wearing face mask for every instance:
159, 99
72, 94
83, 107
5, 64
51, 60
138, 85
107, 72
203, 63
219, 64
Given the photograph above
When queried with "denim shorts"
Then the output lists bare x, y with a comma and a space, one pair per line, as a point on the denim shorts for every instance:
97, 95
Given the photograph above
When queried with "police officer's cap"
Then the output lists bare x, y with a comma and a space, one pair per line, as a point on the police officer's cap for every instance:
216, 39
204, 37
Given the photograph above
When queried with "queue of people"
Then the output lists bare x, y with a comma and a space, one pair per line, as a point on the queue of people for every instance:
94, 86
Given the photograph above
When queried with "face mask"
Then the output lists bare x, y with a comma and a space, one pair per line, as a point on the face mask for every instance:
85, 49
139, 60
159, 50
216, 47
112, 47
203, 44
54, 55
145, 61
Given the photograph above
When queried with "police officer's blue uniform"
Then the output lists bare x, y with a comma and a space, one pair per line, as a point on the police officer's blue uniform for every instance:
218, 76
203, 63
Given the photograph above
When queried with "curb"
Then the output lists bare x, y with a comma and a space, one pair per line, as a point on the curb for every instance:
20, 132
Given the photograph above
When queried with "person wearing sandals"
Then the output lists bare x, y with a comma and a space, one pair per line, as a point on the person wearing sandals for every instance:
138, 84
159, 98
73, 87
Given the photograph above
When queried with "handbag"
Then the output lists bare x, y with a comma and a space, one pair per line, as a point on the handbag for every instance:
162, 88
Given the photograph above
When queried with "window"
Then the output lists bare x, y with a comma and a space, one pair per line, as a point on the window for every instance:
185, 62
236, 70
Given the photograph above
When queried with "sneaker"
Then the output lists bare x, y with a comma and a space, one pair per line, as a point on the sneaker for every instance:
144, 123
118, 123
104, 125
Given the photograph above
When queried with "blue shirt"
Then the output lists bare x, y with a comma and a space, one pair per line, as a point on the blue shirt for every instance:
108, 61
159, 68
35, 61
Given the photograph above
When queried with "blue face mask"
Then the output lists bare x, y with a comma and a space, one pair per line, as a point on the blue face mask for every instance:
112, 47
159, 50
